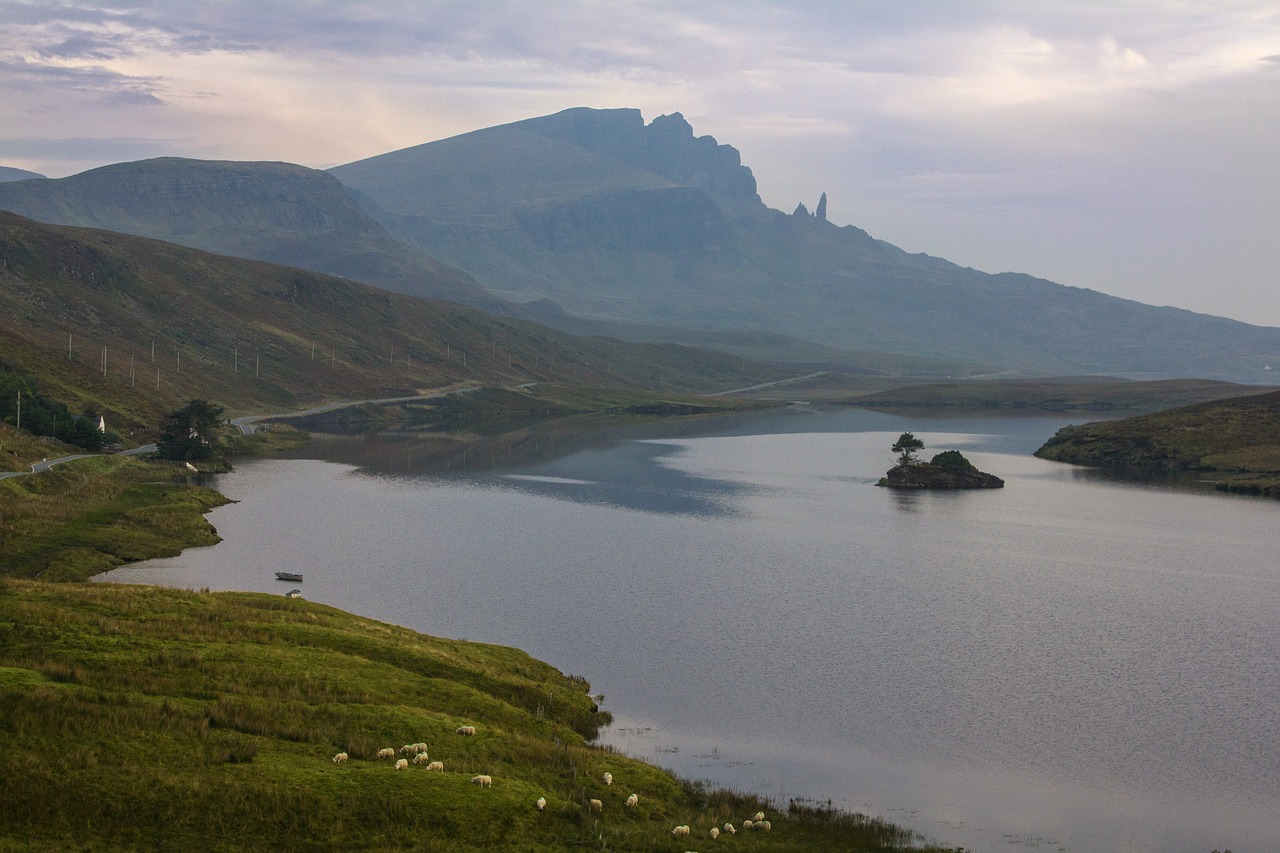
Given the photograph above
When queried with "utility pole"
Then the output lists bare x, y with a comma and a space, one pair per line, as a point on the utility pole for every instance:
257, 363
68, 345
19, 408
235, 360
104, 362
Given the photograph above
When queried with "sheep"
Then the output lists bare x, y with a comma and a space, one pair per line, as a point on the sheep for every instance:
483, 781
386, 752
436, 765
764, 825
715, 833
340, 758
681, 831
608, 778
597, 805
632, 800
541, 803
759, 816
466, 730
420, 758
746, 824
402, 764
728, 827
407, 749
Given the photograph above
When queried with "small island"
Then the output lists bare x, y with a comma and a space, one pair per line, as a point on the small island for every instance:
947, 470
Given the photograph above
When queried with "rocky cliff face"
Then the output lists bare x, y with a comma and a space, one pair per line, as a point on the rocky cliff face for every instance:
666, 147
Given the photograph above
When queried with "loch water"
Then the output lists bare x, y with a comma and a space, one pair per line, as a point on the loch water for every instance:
1082, 661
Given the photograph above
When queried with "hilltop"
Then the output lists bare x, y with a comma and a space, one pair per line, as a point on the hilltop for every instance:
615, 219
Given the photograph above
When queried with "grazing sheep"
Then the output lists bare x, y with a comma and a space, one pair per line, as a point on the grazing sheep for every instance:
466, 730
715, 833
608, 778
764, 825
759, 816
420, 758
407, 749
436, 765
746, 824
681, 830
483, 781
632, 800
597, 805
402, 764
421, 747
541, 803
386, 752
728, 827
340, 758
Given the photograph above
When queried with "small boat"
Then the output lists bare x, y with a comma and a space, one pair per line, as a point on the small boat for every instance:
289, 576
293, 593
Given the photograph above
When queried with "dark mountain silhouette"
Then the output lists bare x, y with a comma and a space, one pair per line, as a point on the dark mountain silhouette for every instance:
613, 219
9, 173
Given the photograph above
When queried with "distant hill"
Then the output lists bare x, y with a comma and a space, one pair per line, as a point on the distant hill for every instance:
1240, 434
134, 327
614, 219
9, 173
275, 212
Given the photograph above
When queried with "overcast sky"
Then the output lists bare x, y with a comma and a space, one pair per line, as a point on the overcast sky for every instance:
1129, 147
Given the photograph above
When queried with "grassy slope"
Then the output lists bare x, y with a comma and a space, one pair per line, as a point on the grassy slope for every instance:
90, 515
1241, 434
145, 718
1088, 393
260, 338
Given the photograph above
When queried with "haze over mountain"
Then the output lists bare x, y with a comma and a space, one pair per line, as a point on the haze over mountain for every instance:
9, 173
614, 219
276, 212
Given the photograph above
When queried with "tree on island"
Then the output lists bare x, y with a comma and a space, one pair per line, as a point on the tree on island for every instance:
906, 447
192, 432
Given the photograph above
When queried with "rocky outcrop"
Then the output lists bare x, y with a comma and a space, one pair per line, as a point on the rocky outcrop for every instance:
923, 475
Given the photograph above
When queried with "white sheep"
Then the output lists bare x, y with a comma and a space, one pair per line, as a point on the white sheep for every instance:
420, 758
764, 825
597, 805
632, 800
681, 830
386, 752
608, 778
407, 749
436, 765
541, 803
340, 758
466, 730
715, 833
483, 781
728, 827
759, 816
746, 824
402, 764
420, 747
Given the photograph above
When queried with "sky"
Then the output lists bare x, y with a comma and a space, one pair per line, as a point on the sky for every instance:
1128, 147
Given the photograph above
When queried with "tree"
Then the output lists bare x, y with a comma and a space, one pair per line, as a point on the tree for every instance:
952, 459
192, 432
906, 447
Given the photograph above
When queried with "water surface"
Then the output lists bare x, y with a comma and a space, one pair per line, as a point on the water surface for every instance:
1075, 662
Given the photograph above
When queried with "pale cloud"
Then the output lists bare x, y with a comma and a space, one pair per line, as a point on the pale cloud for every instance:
1081, 141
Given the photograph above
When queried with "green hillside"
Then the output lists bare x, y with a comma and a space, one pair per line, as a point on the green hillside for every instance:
1087, 393
171, 324
1238, 437
139, 718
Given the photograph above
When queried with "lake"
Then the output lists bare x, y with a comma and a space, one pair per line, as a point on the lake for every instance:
1079, 661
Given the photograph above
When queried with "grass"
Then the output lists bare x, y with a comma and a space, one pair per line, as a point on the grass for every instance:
142, 718
86, 516
1236, 437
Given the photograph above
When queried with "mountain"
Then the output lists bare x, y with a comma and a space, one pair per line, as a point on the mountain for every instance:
134, 327
618, 220
275, 212
9, 173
